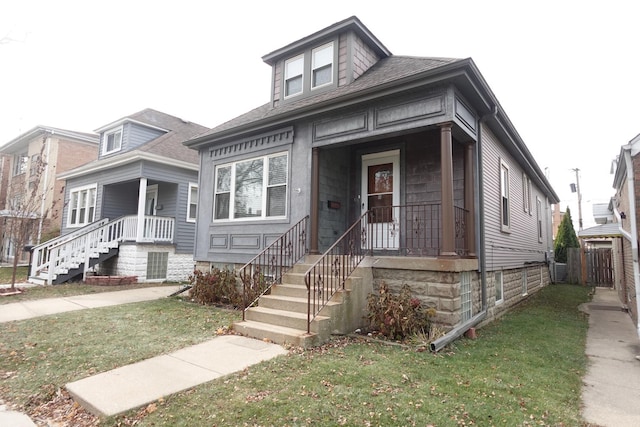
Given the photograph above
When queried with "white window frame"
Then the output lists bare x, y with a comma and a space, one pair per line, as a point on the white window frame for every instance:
499, 284
105, 140
505, 199
190, 202
265, 189
315, 67
526, 194
288, 77
20, 162
88, 209
539, 218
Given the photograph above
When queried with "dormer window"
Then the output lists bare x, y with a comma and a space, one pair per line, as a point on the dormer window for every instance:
293, 71
322, 65
112, 141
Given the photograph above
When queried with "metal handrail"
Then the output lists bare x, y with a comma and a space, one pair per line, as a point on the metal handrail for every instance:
329, 274
267, 268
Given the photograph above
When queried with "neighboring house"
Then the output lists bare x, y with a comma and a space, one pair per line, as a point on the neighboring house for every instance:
625, 209
57, 150
413, 157
556, 219
132, 211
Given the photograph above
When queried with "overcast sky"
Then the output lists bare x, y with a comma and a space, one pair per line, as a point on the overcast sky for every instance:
566, 72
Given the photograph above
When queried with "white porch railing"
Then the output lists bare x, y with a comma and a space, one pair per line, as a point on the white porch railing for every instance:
67, 252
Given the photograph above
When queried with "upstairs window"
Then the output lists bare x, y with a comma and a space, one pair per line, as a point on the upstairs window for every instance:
254, 188
82, 206
526, 194
192, 203
505, 214
293, 74
322, 65
112, 141
539, 216
20, 162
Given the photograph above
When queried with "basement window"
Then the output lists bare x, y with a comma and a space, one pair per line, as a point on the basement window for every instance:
157, 263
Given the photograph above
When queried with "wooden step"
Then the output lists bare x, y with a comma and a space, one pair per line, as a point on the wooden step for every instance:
277, 334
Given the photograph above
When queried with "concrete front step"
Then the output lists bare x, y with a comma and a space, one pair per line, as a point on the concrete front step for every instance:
277, 334
287, 289
289, 303
289, 319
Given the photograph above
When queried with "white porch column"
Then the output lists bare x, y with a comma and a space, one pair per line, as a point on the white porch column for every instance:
142, 198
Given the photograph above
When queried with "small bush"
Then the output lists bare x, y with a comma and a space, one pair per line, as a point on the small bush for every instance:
397, 316
215, 287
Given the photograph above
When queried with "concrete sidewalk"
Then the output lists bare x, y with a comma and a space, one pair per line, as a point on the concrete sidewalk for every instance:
29, 309
611, 387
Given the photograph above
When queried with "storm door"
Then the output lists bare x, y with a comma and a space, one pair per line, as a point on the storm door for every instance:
381, 197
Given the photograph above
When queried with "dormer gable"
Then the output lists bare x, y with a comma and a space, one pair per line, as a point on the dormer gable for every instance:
125, 135
328, 59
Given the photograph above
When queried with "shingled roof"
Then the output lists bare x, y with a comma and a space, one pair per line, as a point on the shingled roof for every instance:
386, 71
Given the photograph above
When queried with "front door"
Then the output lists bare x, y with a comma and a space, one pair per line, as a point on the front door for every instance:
381, 197
150, 205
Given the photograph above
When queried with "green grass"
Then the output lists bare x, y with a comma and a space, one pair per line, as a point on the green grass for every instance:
6, 272
524, 369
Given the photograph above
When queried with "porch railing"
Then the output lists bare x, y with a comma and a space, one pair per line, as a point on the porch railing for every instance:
410, 230
71, 250
329, 274
267, 268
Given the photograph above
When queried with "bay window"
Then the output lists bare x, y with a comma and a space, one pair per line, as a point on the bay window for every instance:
254, 188
82, 206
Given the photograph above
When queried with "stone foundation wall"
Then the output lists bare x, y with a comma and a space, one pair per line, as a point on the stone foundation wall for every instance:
132, 261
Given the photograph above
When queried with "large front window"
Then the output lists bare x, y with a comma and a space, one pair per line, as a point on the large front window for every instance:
82, 206
255, 188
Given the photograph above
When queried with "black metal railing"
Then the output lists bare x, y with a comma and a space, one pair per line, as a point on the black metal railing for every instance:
411, 230
267, 268
329, 274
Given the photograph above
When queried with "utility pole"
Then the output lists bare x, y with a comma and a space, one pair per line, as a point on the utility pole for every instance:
576, 170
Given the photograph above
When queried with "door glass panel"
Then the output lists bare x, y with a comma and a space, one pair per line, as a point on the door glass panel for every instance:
381, 178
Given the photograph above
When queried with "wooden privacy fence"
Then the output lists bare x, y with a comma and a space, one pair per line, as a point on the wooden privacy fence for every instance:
590, 266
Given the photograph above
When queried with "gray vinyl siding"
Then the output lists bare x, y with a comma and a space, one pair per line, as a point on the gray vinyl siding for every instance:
138, 135
117, 195
520, 245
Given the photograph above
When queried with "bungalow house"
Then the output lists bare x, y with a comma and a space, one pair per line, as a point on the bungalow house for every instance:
34, 158
625, 210
132, 211
363, 168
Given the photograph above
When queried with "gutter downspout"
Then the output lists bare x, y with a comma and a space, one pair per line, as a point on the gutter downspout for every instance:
634, 232
457, 331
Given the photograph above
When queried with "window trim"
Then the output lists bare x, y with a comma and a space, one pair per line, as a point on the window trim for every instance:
105, 139
20, 163
287, 78
539, 218
188, 216
505, 222
526, 194
314, 68
87, 207
265, 186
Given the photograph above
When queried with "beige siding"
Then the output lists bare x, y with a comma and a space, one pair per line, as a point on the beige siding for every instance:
521, 244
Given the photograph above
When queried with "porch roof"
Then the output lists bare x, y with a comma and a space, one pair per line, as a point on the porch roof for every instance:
605, 230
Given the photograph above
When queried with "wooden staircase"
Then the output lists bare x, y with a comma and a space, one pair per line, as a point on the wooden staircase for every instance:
281, 316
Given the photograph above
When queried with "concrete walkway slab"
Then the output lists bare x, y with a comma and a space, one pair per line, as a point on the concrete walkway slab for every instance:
29, 309
611, 387
132, 386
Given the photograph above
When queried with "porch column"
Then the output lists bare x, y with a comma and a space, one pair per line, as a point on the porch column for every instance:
315, 195
447, 245
142, 198
469, 201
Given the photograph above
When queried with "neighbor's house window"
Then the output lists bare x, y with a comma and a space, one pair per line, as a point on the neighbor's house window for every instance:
20, 163
82, 206
499, 287
35, 165
539, 216
192, 203
505, 216
112, 141
322, 65
293, 71
254, 188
